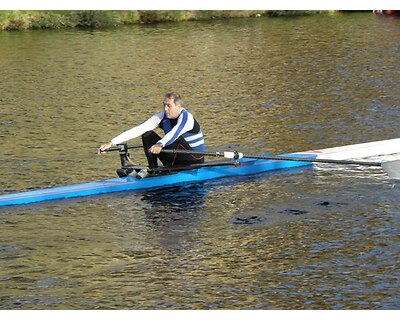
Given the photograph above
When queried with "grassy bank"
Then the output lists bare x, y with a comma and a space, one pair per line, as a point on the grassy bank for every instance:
27, 20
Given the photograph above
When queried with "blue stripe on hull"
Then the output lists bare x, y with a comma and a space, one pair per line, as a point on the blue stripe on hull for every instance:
247, 167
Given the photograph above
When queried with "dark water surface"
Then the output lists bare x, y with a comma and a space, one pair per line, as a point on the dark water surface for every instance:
325, 237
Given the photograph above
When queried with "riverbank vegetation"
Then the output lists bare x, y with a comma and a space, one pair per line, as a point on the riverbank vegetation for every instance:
28, 20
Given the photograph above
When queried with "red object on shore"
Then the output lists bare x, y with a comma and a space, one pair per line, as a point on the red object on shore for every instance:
388, 12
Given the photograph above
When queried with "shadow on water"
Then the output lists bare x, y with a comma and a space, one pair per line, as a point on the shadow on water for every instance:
178, 206
172, 216
173, 201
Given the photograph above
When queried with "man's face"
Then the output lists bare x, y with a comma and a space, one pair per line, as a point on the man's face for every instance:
172, 111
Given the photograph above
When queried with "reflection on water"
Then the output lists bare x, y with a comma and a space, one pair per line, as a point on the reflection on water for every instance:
174, 213
318, 238
175, 200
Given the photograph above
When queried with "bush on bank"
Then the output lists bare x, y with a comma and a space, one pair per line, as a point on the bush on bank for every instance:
25, 20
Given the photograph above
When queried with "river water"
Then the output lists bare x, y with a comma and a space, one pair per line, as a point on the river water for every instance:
324, 237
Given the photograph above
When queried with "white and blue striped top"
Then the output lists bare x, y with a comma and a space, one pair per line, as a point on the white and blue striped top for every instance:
185, 125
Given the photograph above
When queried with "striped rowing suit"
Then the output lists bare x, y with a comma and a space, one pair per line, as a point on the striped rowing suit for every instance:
183, 132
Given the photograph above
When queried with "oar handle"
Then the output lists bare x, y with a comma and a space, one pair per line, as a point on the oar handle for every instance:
123, 147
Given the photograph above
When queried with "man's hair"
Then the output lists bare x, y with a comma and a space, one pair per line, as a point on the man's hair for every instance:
175, 97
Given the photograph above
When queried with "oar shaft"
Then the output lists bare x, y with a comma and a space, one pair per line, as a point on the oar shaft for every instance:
283, 158
238, 155
194, 152
288, 158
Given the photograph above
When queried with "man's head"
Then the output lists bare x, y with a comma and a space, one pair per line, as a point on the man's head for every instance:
173, 105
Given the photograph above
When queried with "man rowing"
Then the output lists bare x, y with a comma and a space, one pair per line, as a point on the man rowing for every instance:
181, 130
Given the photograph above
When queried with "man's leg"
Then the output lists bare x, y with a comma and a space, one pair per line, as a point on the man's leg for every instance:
181, 159
150, 138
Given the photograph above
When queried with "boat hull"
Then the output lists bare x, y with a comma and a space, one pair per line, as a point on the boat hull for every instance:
246, 167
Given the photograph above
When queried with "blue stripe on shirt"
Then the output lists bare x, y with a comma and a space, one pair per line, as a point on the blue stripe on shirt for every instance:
196, 140
178, 131
200, 147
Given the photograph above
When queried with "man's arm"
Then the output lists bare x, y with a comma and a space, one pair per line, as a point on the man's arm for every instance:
135, 132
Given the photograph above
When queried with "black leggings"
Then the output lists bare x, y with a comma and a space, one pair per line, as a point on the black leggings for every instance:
150, 138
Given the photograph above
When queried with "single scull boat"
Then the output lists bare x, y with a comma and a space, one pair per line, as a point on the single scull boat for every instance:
239, 165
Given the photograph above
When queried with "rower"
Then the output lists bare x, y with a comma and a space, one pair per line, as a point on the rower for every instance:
181, 132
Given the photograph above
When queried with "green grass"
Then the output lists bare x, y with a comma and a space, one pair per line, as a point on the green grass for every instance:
45, 19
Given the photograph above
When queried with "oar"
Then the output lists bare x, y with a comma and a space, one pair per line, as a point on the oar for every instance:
392, 168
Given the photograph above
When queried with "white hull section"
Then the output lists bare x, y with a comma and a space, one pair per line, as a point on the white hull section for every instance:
358, 151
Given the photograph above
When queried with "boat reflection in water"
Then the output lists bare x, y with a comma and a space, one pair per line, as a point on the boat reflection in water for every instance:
175, 201
174, 214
